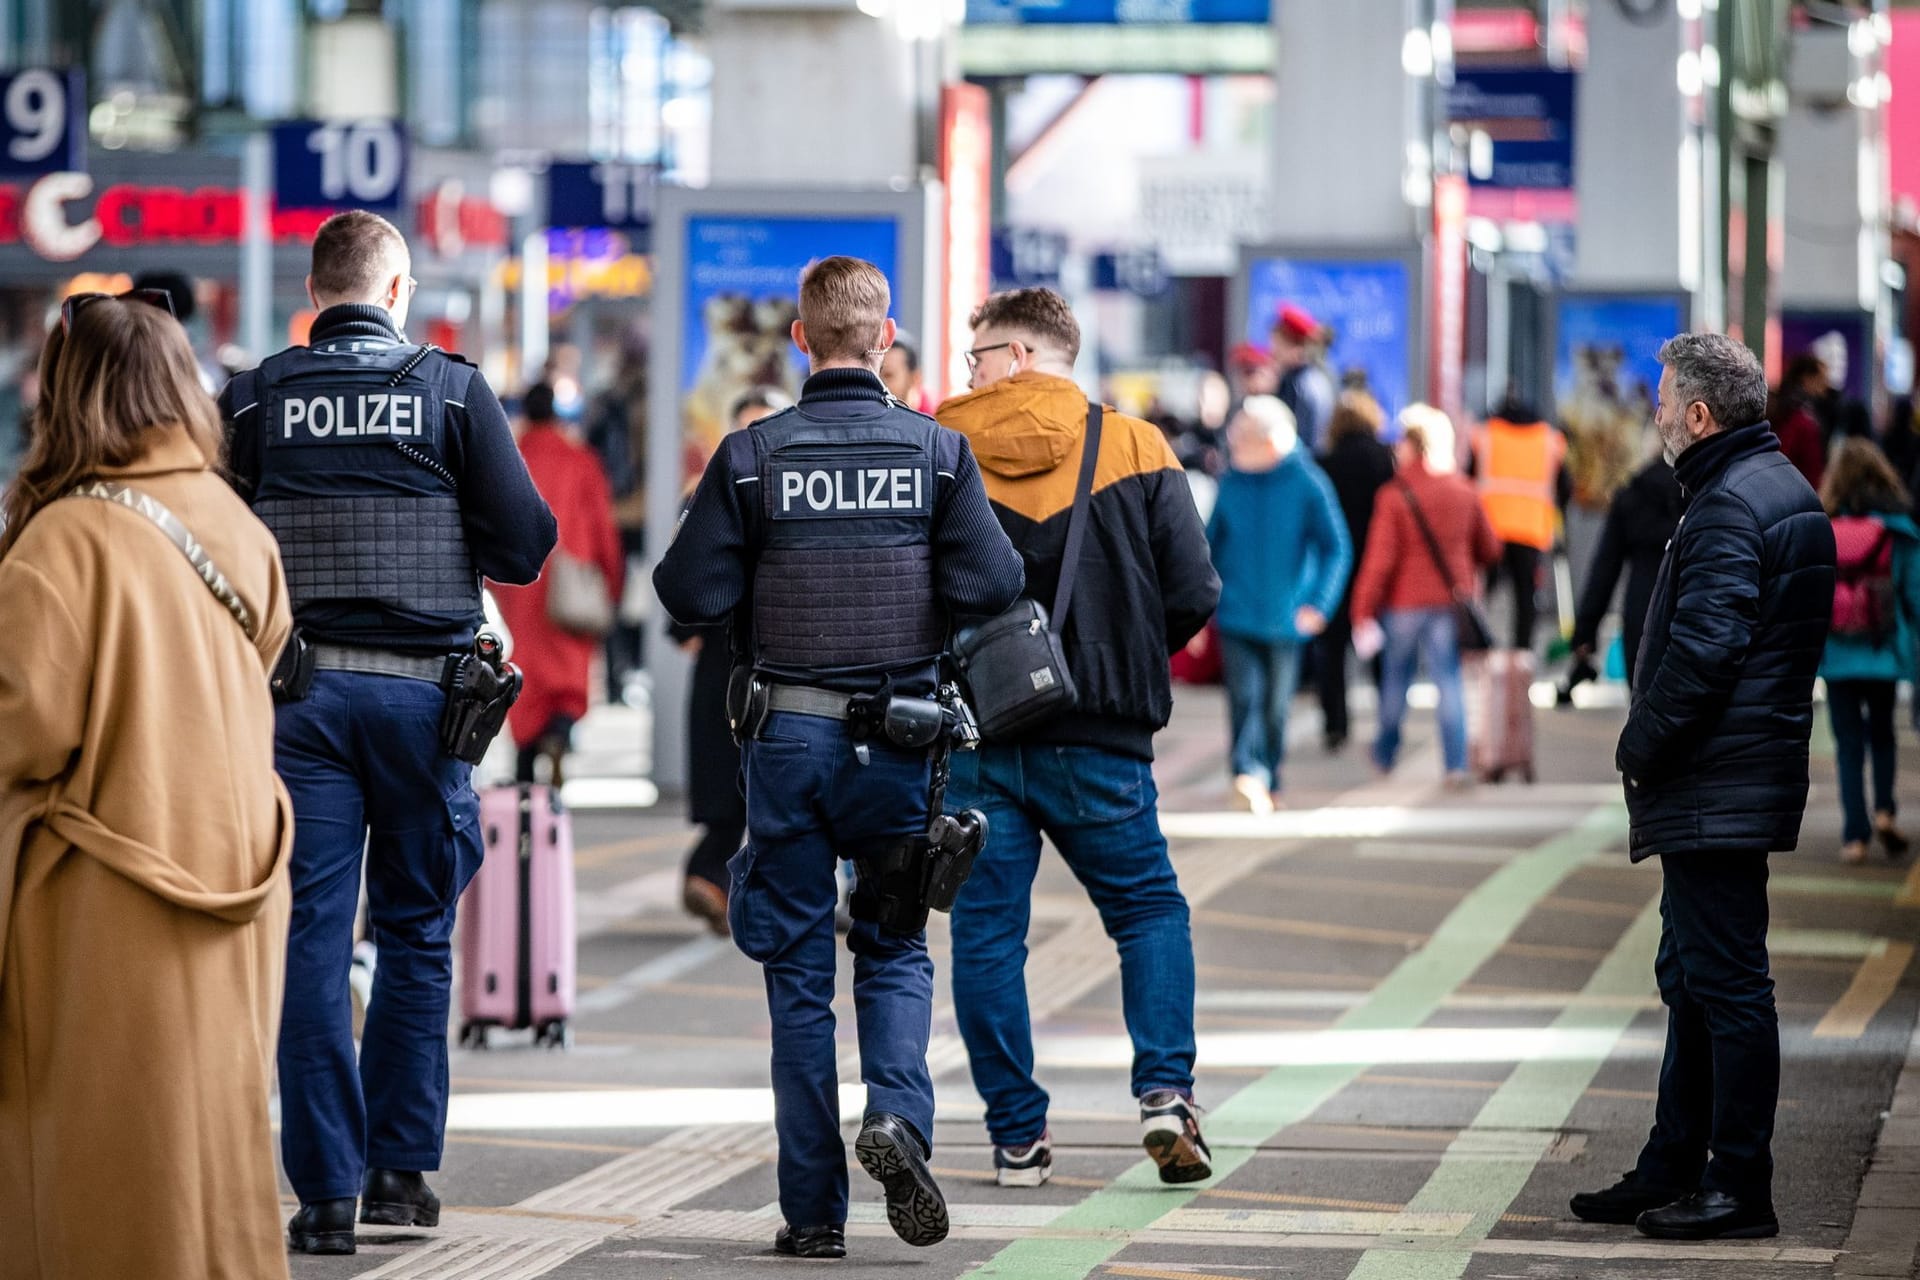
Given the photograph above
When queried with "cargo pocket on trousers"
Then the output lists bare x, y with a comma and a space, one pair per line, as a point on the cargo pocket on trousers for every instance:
748, 912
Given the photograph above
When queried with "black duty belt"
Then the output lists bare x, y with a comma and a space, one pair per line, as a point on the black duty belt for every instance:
803, 700
380, 662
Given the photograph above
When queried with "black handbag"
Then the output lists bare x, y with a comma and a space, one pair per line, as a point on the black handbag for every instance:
1469, 619
1014, 665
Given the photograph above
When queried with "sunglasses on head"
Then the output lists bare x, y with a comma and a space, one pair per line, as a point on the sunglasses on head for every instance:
78, 302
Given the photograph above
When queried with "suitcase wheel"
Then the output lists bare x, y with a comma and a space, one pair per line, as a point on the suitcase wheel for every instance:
557, 1034
473, 1035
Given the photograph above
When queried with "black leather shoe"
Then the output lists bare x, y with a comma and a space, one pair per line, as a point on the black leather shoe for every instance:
325, 1226
391, 1198
1710, 1215
1622, 1203
811, 1242
891, 1153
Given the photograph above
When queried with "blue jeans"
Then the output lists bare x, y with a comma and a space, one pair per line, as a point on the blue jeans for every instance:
1098, 808
1414, 636
1862, 715
361, 759
811, 802
1262, 677
1720, 1079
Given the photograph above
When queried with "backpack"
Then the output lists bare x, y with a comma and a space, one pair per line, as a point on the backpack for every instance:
1863, 606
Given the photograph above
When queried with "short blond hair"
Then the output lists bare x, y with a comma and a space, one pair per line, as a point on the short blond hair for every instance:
843, 305
1430, 431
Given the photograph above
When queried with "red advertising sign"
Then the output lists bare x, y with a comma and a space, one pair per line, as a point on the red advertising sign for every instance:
966, 171
1447, 381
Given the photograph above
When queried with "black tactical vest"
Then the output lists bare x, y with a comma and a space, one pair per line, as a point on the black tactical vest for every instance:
354, 481
844, 581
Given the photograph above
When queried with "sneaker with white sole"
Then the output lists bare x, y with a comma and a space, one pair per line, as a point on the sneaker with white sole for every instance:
1170, 1131
1250, 795
1024, 1166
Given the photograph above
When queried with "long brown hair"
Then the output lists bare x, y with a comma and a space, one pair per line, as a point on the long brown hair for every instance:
109, 387
1861, 482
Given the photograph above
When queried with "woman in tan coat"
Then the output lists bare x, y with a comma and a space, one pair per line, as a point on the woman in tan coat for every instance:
143, 835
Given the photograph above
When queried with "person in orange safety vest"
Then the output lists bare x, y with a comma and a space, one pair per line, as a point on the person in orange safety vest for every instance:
1518, 466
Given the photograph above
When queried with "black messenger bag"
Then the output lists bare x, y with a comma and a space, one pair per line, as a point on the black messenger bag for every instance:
1015, 665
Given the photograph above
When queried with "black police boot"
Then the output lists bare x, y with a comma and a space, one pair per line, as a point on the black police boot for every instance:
811, 1242
1622, 1203
1710, 1215
391, 1198
893, 1155
324, 1226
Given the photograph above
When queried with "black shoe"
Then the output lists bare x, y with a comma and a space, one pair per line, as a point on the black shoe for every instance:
391, 1198
325, 1226
1170, 1131
891, 1153
811, 1242
1621, 1204
1710, 1215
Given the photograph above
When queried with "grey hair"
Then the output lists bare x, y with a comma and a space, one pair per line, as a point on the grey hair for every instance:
1721, 373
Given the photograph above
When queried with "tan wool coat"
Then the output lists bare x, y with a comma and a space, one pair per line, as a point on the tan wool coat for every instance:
143, 890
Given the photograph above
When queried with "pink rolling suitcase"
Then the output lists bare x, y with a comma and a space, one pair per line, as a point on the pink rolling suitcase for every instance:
1502, 723
517, 920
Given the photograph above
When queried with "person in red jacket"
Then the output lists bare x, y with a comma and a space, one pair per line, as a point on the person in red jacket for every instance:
1402, 603
557, 662
1801, 437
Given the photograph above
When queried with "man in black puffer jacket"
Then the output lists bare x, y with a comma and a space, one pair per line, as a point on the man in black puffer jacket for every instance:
1715, 758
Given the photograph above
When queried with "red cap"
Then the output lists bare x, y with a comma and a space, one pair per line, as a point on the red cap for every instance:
1249, 355
1296, 323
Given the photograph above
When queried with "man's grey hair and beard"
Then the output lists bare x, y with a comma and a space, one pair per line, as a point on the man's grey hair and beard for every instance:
1719, 371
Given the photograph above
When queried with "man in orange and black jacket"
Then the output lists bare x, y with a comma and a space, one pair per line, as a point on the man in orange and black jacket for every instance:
1144, 587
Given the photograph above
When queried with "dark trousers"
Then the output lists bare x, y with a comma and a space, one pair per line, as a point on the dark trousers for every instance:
1331, 672
811, 801
361, 760
719, 842
1520, 566
1720, 1080
1862, 714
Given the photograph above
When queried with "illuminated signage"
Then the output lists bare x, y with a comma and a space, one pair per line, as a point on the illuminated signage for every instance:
966, 164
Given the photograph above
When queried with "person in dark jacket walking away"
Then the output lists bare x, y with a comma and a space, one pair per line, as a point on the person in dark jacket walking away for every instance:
1640, 521
1714, 754
1876, 614
1280, 547
1357, 463
1084, 779
1300, 357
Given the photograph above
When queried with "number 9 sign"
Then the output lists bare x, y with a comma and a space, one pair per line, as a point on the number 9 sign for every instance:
42, 122
358, 164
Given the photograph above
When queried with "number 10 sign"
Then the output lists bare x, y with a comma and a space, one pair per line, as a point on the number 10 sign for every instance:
358, 164
42, 122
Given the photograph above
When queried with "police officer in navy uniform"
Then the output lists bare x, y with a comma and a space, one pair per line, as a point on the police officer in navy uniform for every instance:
389, 475
838, 538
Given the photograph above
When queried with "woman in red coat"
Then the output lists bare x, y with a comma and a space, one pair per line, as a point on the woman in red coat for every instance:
557, 662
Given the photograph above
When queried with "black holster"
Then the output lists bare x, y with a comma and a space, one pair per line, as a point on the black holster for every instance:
480, 689
292, 676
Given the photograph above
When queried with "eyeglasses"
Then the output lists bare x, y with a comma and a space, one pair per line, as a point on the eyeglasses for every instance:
78, 302
973, 356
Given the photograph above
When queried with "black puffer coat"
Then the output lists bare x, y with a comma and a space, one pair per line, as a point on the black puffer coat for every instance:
1715, 747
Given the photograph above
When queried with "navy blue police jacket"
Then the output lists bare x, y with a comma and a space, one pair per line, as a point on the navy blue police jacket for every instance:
391, 499
839, 538
1715, 747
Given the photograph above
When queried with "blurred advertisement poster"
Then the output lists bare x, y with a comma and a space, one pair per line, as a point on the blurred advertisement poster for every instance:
742, 297
1366, 305
1606, 373
966, 171
1843, 342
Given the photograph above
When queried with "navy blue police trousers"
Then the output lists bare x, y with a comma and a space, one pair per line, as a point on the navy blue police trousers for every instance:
810, 802
361, 759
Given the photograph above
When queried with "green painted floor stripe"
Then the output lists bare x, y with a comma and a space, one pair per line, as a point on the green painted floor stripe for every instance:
1835, 886
1534, 1101
1478, 927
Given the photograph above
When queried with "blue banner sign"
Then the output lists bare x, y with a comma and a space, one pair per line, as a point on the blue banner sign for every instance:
1519, 125
616, 196
1135, 271
360, 164
1027, 257
43, 121
1368, 305
1116, 12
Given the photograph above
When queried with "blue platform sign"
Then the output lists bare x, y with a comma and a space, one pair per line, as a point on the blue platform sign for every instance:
43, 121
358, 164
1116, 12
1368, 303
618, 197
1519, 125
1136, 271
1026, 257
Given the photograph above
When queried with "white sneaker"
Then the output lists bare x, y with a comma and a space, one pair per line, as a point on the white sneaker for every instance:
1250, 795
1028, 1166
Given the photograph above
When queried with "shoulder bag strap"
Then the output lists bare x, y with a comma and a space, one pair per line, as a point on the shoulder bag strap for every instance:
1433, 543
1077, 521
181, 537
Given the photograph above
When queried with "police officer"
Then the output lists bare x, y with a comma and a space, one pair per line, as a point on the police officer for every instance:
389, 475
838, 537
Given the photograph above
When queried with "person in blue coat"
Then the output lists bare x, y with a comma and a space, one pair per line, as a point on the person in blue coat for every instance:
1876, 614
1281, 548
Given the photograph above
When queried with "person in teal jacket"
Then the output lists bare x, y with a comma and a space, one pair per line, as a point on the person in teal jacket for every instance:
1876, 615
1281, 548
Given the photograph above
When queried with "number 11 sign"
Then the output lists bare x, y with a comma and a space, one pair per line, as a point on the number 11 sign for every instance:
357, 164
43, 117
